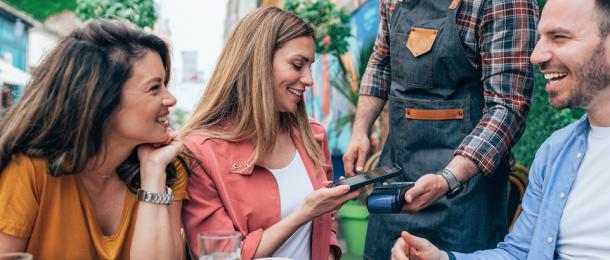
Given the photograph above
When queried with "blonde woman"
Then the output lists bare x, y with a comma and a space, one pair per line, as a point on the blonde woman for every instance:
262, 165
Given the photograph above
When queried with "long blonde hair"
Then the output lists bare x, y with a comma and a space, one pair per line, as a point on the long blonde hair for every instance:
238, 102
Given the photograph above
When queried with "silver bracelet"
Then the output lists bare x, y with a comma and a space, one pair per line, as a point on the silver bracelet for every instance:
156, 198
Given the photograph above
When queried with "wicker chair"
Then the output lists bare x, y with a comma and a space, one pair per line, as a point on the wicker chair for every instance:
518, 183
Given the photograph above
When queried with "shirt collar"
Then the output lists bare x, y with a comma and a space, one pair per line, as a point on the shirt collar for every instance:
583, 125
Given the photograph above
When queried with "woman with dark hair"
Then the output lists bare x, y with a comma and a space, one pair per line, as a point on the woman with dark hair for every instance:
87, 160
263, 165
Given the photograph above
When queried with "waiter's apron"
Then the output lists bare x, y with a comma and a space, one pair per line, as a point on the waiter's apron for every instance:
436, 99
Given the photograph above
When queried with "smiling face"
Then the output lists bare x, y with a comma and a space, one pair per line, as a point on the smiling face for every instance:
571, 53
292, 73
145, 101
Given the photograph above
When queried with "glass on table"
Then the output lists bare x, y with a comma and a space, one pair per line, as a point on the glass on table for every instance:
219, 245
15, 256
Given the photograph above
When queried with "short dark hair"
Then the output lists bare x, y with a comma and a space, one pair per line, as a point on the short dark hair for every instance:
603, 7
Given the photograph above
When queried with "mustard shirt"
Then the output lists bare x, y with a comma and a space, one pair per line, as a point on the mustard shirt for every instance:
55, 213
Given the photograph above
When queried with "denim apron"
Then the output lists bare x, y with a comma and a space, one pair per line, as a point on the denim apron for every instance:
436, 99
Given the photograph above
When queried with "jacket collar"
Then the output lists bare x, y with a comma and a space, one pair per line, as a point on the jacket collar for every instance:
241, 152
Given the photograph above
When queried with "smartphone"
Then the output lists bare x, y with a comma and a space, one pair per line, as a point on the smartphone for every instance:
375, 175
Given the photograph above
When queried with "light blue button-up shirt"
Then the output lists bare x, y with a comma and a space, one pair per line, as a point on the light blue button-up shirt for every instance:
534, 235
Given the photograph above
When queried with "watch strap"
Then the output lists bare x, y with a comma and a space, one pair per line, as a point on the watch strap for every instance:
156, 198
454, 184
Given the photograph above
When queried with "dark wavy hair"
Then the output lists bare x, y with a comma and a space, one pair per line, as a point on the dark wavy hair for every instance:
67, 105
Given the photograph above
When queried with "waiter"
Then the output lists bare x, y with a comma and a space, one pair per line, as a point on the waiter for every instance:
459, 82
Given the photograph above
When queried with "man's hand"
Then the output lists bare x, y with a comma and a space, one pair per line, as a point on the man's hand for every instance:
431, 187
427, 190
410, 247
356, 152
367, 111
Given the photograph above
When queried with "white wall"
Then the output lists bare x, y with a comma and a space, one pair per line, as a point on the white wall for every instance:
236, 9
41, 42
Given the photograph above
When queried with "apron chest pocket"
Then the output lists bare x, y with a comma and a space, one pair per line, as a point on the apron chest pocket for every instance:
421, 41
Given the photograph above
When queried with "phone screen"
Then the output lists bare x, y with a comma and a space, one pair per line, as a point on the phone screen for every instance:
371, 176
355, 180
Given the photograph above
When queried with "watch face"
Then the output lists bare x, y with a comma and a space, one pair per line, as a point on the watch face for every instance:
452, 193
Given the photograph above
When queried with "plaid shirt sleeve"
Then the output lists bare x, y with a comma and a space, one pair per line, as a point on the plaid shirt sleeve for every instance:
507, 36
377, 77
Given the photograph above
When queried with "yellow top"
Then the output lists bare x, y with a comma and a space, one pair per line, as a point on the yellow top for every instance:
57, 216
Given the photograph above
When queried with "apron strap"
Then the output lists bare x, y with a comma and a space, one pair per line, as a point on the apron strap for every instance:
454, 4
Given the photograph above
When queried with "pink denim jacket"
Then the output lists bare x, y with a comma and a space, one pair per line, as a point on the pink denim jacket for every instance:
228, 194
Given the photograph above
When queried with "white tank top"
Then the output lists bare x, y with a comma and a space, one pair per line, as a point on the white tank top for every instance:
294, 184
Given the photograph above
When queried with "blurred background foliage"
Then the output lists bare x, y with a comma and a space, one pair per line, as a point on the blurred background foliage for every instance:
139, 12
343, 82
41, 9
330, 23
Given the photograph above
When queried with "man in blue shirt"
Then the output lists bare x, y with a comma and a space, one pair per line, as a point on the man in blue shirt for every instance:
565, 209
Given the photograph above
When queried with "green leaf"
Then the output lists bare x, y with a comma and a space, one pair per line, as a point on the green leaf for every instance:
326, 20
41, 9
139, 12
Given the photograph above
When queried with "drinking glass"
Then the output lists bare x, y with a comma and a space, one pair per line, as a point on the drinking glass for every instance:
219, 245
15, 256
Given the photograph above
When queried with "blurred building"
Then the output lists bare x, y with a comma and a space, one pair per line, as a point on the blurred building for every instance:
45, 36
24, 41
190, 68
14, 39
236, 9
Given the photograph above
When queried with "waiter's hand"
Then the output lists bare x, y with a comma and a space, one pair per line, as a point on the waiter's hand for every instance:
410, 247
427, 190
356, 152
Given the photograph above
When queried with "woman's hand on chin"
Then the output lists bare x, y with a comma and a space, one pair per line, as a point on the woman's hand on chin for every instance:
159, 155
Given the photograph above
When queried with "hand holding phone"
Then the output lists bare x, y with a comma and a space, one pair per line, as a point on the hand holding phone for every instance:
372, 176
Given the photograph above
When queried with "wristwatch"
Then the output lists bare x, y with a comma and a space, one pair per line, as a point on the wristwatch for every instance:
156, 198
455, 187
